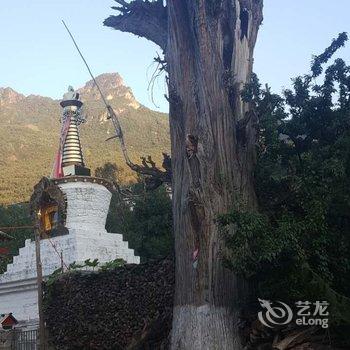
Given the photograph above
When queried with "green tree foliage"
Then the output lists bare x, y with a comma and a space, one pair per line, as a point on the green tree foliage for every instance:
14, 215
108, 171
303, 186
144, 218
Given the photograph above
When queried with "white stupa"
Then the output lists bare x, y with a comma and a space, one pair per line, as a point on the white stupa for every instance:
76, 235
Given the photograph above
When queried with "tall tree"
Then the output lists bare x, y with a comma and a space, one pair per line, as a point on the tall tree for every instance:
208, 49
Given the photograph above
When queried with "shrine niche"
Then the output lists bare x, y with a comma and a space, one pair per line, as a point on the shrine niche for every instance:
48, 208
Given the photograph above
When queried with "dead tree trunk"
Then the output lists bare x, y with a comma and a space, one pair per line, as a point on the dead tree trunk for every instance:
209, 53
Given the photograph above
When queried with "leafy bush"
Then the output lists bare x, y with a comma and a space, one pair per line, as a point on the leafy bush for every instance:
302, 183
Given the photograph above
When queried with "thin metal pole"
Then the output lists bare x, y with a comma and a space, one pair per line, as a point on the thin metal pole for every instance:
39, 274
86, 64
111, 113
15, 227
62, 265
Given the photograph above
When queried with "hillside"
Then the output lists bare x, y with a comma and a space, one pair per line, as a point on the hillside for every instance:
29, 134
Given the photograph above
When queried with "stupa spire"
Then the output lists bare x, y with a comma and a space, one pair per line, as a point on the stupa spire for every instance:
69, 159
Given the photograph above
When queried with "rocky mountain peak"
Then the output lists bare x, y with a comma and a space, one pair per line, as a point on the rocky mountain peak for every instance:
106, 81
9, 96
112, 86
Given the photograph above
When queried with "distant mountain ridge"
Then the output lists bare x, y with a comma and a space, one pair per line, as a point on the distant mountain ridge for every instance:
29, 134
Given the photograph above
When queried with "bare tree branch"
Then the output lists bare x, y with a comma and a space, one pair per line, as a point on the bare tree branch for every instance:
148, 19
154, 177
143, 18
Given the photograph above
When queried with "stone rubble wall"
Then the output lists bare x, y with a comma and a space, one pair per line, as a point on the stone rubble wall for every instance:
129, 307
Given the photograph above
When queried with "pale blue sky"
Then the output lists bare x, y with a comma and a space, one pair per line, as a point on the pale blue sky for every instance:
38, 57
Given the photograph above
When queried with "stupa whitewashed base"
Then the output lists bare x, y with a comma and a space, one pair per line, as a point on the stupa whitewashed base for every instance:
87, 209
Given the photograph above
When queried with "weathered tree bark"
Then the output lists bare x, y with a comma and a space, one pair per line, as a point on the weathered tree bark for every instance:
209, 55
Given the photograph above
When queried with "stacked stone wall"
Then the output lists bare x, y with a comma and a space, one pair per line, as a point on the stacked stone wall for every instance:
126, 308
